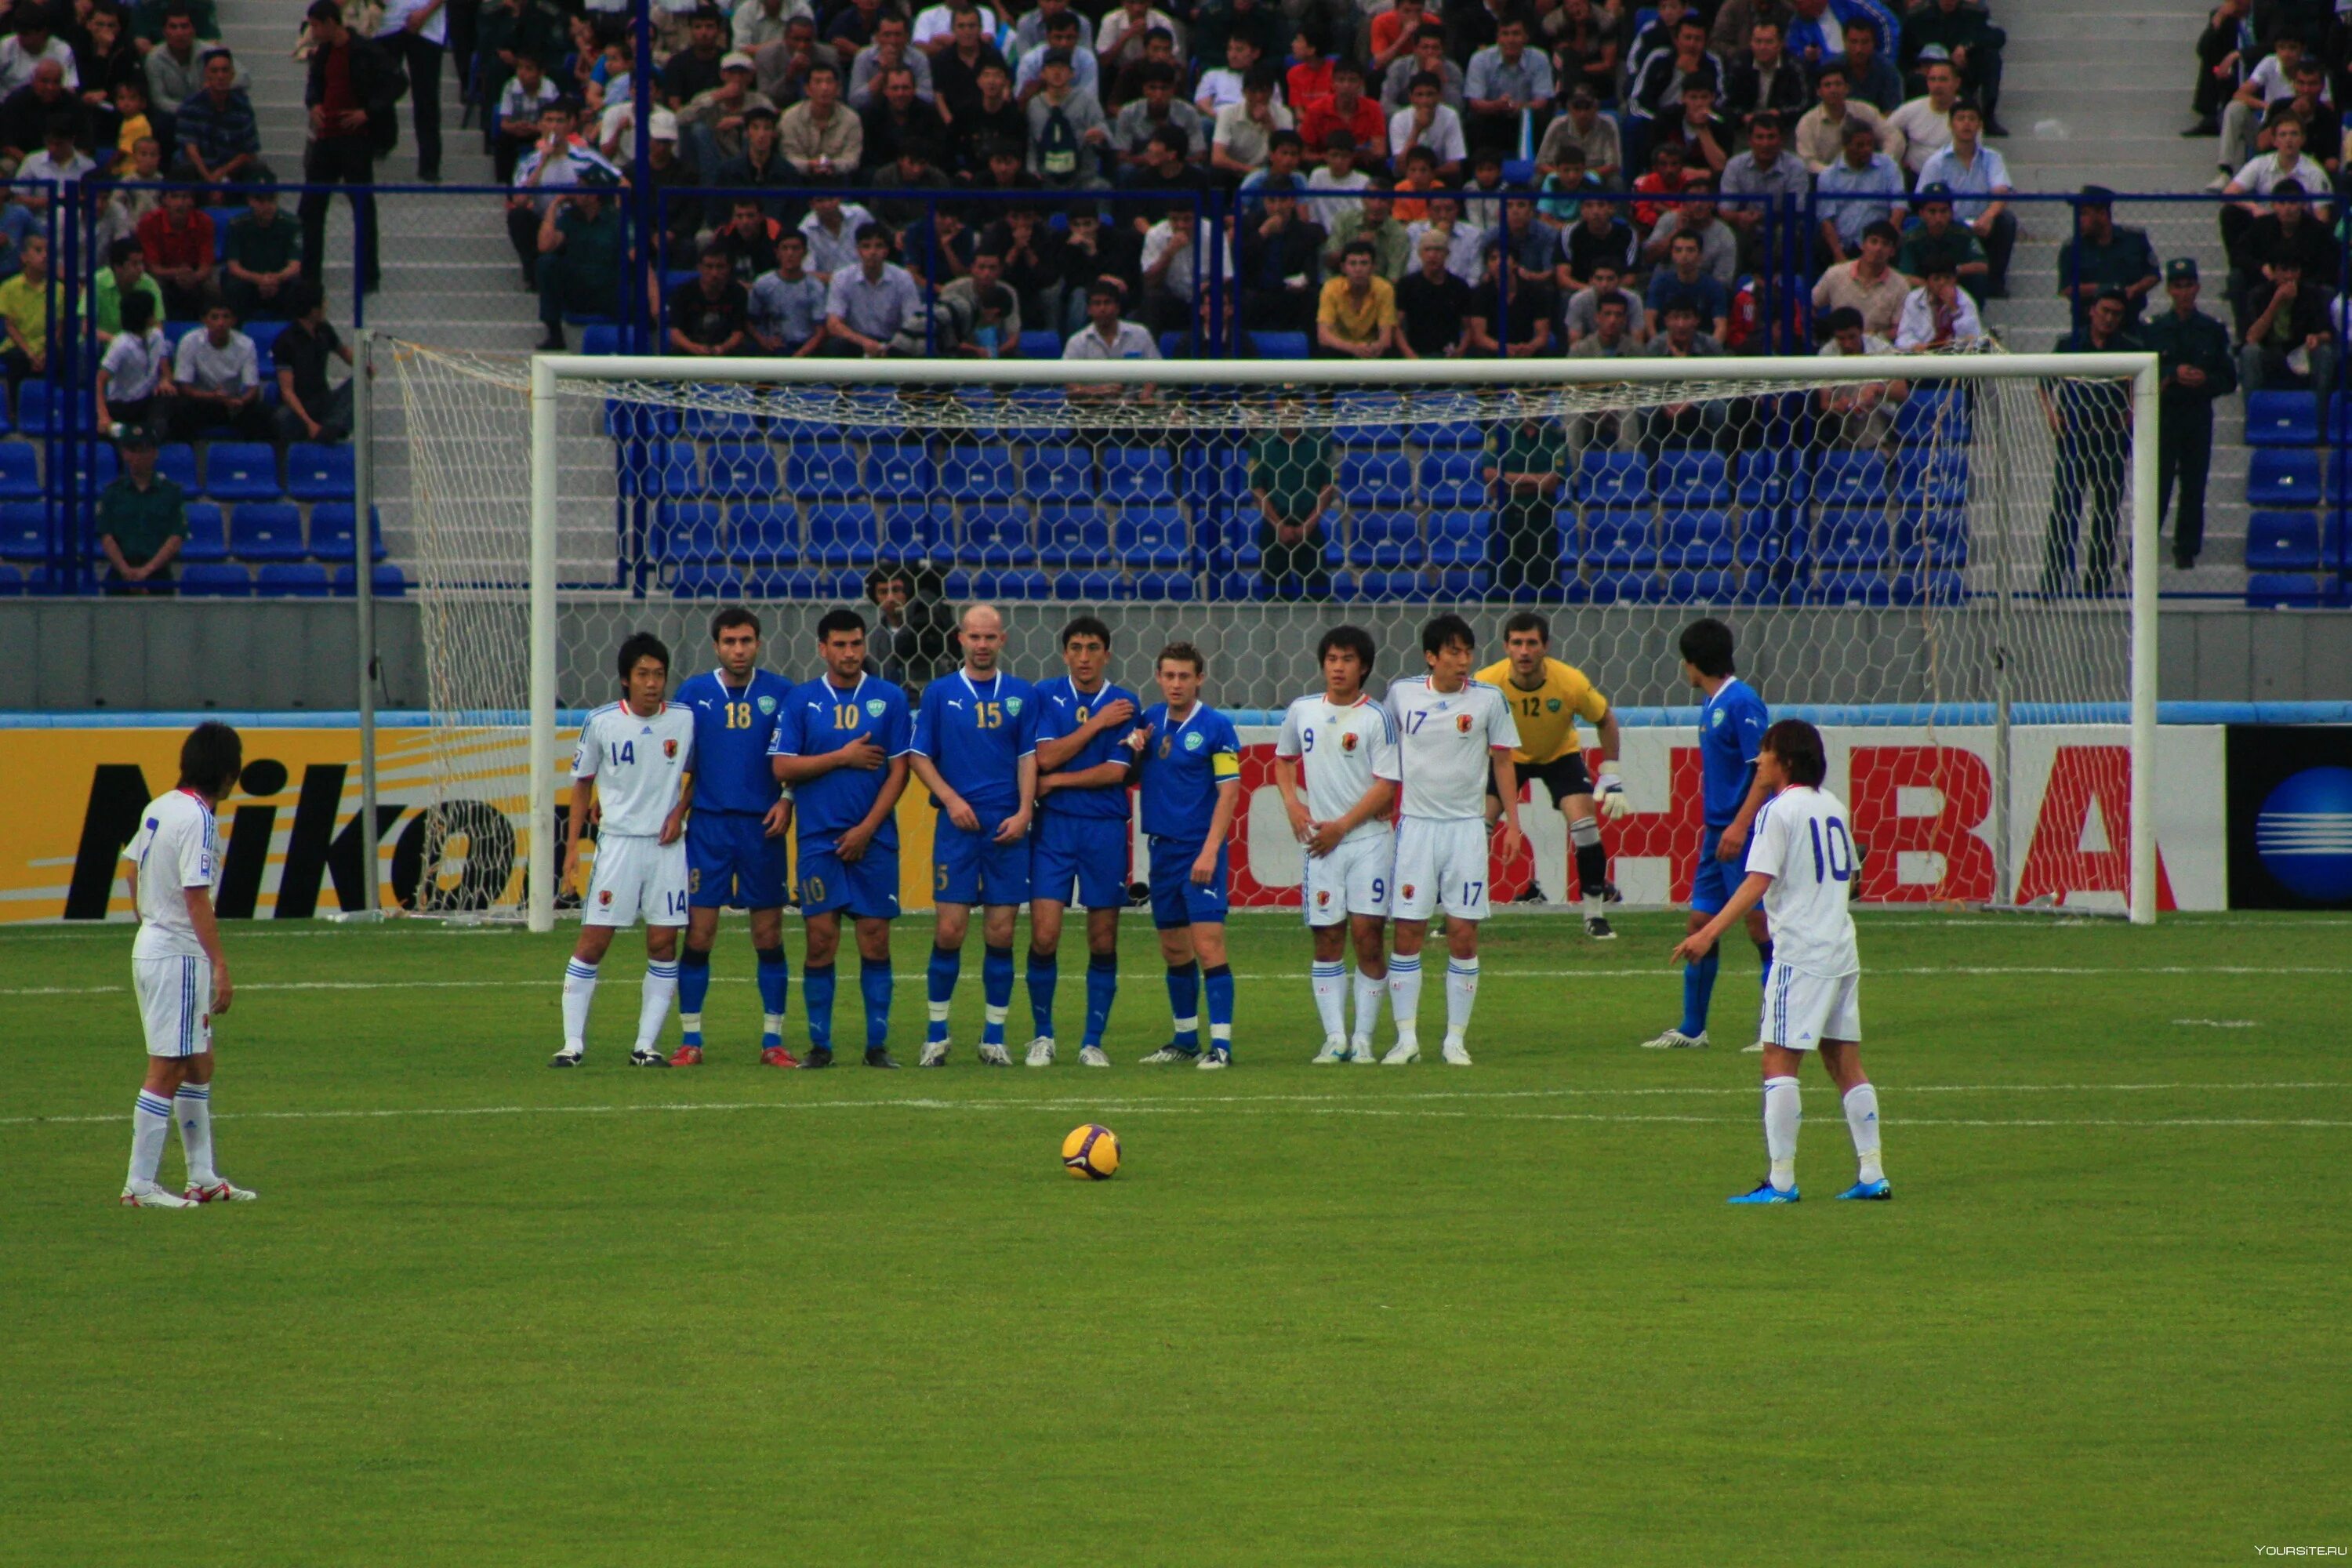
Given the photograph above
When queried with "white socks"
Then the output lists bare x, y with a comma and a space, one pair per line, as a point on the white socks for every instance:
1461, 995
1404, 996
1862, 1121
661, 989
1369, 989
1330, 983
579, 992
193, 1105
1783, 1109
150, 1123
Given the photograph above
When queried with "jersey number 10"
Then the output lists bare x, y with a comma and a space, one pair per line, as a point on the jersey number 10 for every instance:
1839, 844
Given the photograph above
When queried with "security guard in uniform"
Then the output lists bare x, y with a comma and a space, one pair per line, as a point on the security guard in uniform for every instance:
2197, 366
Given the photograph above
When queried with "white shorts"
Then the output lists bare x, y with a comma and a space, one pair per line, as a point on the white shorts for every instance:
176, 1004
1353, 879
1801, 1010
636, 875
1441, 864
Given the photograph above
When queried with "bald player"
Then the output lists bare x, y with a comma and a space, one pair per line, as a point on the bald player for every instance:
1547, 699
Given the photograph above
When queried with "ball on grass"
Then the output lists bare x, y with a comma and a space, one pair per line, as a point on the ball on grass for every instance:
1090, 1154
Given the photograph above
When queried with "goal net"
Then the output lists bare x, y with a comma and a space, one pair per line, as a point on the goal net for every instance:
1946, 561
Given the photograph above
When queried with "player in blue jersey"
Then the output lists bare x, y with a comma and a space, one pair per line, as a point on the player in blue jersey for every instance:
976, 751
735, 838
1082, 832
1189, 762
841, 747
1731, 725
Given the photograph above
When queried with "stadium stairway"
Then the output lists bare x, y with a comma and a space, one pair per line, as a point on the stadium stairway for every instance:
2117, 124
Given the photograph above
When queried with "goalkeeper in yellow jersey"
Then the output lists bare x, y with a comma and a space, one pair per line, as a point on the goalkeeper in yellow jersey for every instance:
1547, 699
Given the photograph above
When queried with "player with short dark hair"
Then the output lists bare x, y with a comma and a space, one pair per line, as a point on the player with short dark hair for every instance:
179, 972
841, 746
1082, 832
1731, 724
975, 749
1546, 698
735, 838
1188, 759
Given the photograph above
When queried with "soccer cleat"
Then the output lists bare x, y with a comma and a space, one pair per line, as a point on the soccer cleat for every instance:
567, 1058
1596, 927
880, 1057
1092, 1056
148, 1196
1404, 1053
1765, 1193
818, 1056
685, 1057
1457, 1054
994, 1056
935, 1054
1040, 1052
1532, 895
221, 1190
1676, 1040
1171, 1052
777, 1056
1335, 1050
1610, 895
647, 1058
1878, 1191
1360, 1052
1214, 1057
1755, 1050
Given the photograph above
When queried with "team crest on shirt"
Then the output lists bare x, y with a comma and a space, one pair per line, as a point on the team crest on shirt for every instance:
1716, 717
767, 705
1012, 705
1462, 722
669, 751
1407, 891
1322, 897
874, 705
1347, 740
604, 896
1192, 742
1552, 706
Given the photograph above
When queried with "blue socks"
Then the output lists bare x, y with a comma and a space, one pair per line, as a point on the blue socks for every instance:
816, 1001
1220, 1007
1184, 1003
995, 993
1044, 977
1698, 989
947, 963
775, 986
693, 986
1102, 984
874, 985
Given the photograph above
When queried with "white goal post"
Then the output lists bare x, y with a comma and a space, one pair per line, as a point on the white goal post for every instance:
1998, 647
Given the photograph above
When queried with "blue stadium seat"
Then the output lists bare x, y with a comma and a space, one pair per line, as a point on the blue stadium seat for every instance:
2280, 591
1370, 419
917, 528
1464, 582
106, 464
1012, 584
1139, 474
265, 335
1395, 587
719, 425
1618, 540
1768, 538
20, 472
996, 535
1441, 435
1930, 588
1458, 539
1614, 479
1171, 588
1176, 345
2283, 540
220, 582
1151, 538
600, 339
1936, 413
1699, 587
207, 538
25, 530
332, 524
387, 582
1691, 478
1072, 535
2280, 477
706, 583
1278, 346
11, 582
242, 472
1935, 539
843, 534
1849, 479
176, 461
33, 407
2282, 419
639, 421
741, 470
1382, 539
1216, 470
265, 530
292, 580
795, 433
766, 531
979, 474
1620, 587
1058, 473
1453, 479
1932, 476
1075, 583
1042, 342
1852, 539
900, 471
316, 472
2335, 481
1697, 540
826, 471
1372, 480
1862, 588
684, 531
1772, 478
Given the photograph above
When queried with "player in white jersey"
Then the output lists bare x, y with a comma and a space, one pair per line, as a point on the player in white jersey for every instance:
636, 756
1346, 744
1450, 730
179, 972
1801, 864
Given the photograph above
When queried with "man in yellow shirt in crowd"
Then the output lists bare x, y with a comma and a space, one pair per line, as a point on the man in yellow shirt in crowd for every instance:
1547, 699
24, 312
1357, 316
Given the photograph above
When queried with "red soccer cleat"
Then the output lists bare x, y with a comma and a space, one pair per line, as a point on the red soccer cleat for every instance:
685, 1057
777, 1056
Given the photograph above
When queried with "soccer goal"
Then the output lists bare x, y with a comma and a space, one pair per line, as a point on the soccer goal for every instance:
1957, 553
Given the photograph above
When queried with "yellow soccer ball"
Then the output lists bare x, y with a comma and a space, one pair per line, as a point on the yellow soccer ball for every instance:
1090, 1154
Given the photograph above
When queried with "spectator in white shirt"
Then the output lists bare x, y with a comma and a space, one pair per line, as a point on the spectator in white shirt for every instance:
1978, 177
1223, 86
1938, 313
1107, 337
1427, 122
216, 381
1925, 122
30, 45
2269, 84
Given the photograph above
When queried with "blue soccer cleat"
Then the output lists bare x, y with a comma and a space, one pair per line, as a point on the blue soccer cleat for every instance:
1766, 1192
1878, 1190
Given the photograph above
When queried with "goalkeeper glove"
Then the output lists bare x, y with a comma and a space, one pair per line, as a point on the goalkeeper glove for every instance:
1611, 793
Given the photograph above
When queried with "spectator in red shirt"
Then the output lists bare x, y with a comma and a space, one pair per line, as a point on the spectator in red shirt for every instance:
177, 241
1349, 110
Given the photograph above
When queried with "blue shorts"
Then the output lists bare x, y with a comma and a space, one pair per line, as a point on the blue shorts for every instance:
1088, 851
1716, 880
731, 863
867, 887
1176, 899
973, 869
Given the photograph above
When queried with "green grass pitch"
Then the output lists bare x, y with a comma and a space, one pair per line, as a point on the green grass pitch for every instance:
487, 1313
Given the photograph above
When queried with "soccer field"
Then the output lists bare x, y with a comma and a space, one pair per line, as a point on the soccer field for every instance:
488, 1314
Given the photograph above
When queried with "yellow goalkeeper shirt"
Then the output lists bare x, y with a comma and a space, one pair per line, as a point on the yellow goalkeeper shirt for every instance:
1546, 716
